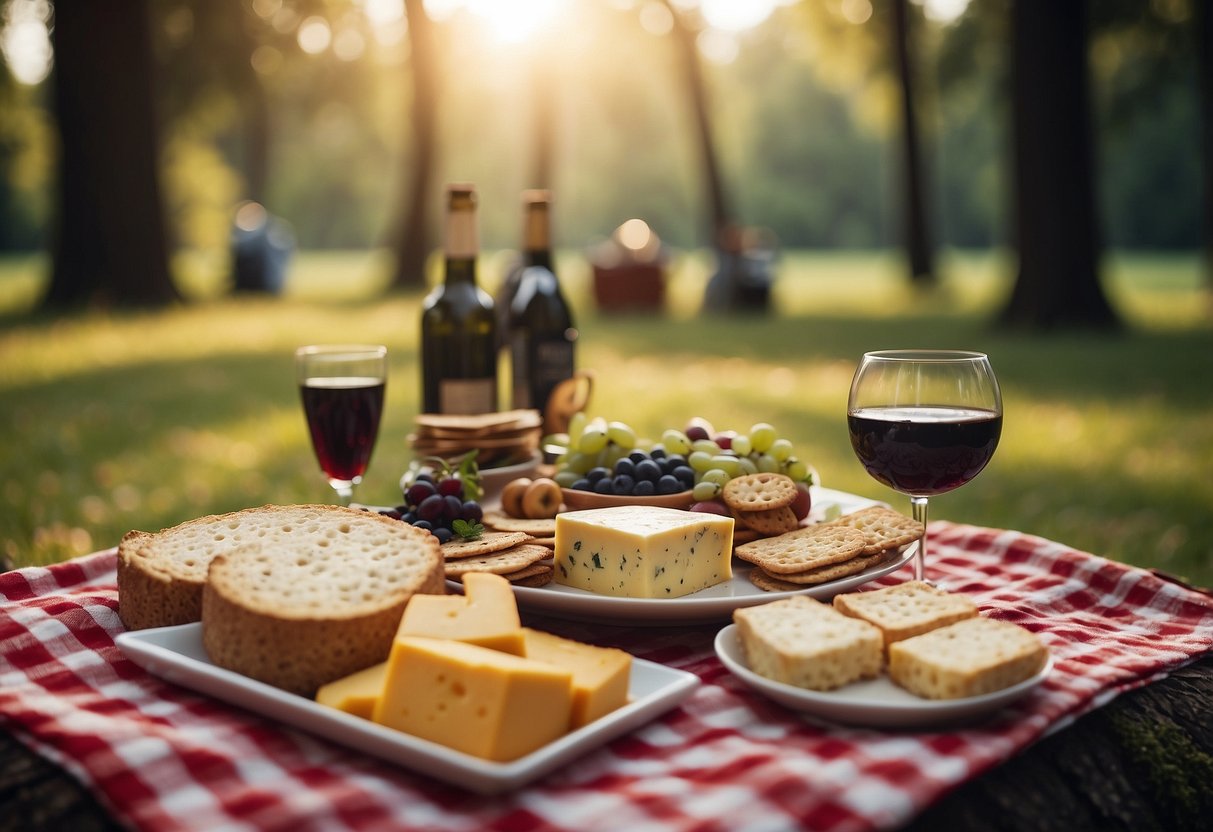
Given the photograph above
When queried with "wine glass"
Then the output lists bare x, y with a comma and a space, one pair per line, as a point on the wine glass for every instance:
342, 387
924, 422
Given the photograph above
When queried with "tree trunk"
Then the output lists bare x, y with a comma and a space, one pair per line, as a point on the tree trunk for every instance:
543, 118
719, 215
1204, 63
110, 243
915, 224
1058, 282
414, 236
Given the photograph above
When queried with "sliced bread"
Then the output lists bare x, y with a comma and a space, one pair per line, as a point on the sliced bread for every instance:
319, 598
968, 658
801, 641
907, 609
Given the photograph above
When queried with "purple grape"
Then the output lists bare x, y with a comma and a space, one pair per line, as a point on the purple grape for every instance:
668, 484
454, 507
644, 488
432, 508
443, 534
418, 491
450, 487
622, 485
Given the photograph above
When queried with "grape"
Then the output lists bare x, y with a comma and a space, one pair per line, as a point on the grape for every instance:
684, 475
596, 474
582, 484
741, 444
432, 508
766, 463
729, 464
657, 452
471, 511
716, 475
697, 432
797, 469
724, 440
762, 436
648, 470
699, 461
442, 533
747, 465
638, 456
711, 507
579, 462
418, 491
454, 506
781, 449
577, 425
705, 491
644, 488
450, 487
668, 484
603, 486
391, 512
625, 466
622, 435
622, 485
565, 479
592, 440
706, 446
424, 524
675, 441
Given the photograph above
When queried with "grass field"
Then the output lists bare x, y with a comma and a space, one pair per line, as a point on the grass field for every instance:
120, 420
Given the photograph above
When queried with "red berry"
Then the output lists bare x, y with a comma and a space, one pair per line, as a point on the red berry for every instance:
450, 487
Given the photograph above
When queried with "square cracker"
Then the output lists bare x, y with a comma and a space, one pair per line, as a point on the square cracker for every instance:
833, 571
882, 527
501, 563
803, 549
907, 609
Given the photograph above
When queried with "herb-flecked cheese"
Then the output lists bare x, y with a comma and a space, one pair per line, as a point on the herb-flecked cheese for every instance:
642, 551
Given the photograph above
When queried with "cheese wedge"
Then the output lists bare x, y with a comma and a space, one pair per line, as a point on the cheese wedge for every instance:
357, 693
486, 615
479, 701
601, 675
642, 551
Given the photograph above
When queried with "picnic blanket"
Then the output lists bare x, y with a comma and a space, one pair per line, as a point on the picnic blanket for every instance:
161, 757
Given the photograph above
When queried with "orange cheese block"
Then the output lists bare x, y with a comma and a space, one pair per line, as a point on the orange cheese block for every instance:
357, 693
486, 615
476, 700
601, 675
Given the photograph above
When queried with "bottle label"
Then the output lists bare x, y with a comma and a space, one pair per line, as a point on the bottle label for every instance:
538, 367
467, 395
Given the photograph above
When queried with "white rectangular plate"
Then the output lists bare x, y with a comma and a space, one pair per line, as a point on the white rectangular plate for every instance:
177, 655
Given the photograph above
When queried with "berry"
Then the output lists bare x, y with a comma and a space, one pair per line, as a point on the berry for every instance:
450, 487
648, 470
668, 484
472, 512
418, 491
644, 488
432, 508
443, 534
622, 485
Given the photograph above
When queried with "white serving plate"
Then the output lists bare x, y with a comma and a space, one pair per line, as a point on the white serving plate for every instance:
177, 655
716, 603
876, 702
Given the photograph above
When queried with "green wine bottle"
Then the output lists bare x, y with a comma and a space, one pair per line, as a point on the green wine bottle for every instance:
542, 335
458, 326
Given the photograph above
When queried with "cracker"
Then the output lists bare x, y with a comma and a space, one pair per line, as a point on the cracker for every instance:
500, 521
771, 521
486, 544
906, 610
972, 657
833, 571
550, 542
756, 492
537, 574
744, 534
769, 583
883, 527
500, 563
803, 549
489, 422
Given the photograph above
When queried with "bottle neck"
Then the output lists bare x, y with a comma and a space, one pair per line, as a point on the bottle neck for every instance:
461, 244
536, 234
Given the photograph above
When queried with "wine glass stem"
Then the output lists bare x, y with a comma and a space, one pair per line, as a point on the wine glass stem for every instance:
345, 493
918, 506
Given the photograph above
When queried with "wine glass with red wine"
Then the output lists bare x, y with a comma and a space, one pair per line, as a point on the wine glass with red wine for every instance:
924, 422
342, 388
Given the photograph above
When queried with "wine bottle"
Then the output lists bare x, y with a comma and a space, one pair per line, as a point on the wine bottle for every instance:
458, 325
542, 335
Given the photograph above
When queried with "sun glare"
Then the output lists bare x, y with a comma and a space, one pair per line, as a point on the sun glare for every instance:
516, 20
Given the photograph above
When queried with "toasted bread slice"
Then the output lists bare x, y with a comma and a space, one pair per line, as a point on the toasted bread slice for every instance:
907, 609
969, 658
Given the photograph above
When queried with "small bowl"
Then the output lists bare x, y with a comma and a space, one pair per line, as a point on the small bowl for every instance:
576, 500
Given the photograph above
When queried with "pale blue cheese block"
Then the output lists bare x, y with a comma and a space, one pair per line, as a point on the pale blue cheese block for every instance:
642, 551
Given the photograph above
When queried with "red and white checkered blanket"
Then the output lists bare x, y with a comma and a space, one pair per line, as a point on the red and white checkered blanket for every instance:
161, 757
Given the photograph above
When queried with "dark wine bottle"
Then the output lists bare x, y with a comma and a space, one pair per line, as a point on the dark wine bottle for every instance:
542, 335
458, 325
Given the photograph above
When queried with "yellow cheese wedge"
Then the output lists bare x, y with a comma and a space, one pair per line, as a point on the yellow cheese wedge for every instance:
483, 702
357, 693
642, 551
601, 675
486, 614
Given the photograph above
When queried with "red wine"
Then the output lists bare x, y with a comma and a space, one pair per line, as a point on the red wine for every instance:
343, 417
927, 450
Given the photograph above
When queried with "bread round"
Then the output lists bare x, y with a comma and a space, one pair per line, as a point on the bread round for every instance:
317, 597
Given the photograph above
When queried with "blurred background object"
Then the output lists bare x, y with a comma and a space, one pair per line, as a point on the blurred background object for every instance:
629, 269
261, 249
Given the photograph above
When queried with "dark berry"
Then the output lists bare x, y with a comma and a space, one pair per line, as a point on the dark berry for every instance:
454, 507
597, 474
432, 508
472, 512
392, 513
668, 484
625, 466
418, 491
443, 534
450, 487
622, 485
582, 484
638, 456
648, 470
603, 486
685, 475
644, 488
424, 524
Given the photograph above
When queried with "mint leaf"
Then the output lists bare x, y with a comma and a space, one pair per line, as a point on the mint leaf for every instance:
466, 530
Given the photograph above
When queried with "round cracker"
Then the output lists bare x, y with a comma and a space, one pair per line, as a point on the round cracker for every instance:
500, 521
486, 544
882, 527
758, 492
770, 521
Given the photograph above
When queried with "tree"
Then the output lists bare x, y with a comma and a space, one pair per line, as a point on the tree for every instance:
1204, 53
915, 224
414, 236
109, 243
1054, 172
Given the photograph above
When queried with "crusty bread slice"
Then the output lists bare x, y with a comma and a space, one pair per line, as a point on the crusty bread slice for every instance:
801, 641
907, 609
968, 658
318, 599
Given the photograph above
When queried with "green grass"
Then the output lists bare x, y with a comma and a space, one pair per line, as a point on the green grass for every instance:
114, 421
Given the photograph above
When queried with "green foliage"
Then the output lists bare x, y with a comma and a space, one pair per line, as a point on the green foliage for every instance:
145, 420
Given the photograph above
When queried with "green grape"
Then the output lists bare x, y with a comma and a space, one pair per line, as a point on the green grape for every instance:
577, 424
706, 446
766, 463
579, 462
611, 454
741, 445
705, 490
699, 461
676, 442
719, 476
747, 465
621, 435
782, 449
592, 440
729, 464
567, 478
797, 469
762, 436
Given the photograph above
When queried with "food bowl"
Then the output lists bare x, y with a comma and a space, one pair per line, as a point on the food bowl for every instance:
575, 500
